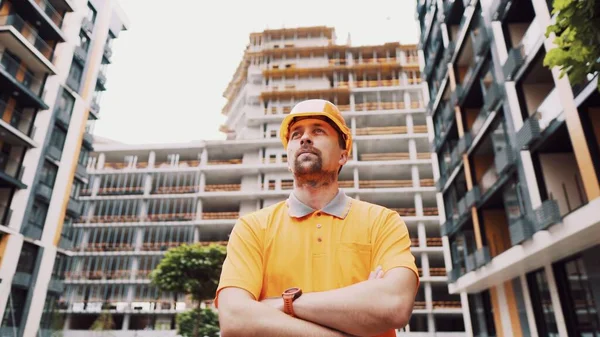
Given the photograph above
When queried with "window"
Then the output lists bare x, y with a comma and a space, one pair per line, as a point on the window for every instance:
74, 78
38, 215
26, 263
48, 175
577, 283
83, 157
75, 187
84, 41
91, 13
542, 303
58, 138
481, 312
64, 106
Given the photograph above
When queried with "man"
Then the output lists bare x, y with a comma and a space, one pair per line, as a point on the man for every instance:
320, 263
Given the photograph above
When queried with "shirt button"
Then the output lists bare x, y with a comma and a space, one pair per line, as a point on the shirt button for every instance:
319, 226
318, 213
319, 239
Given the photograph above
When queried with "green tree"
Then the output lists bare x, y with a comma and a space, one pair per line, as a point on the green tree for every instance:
207, 319
577, 30
192, 270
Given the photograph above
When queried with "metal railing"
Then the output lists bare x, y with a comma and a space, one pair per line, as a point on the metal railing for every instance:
21, 74
16, 119
28, 33
51, 12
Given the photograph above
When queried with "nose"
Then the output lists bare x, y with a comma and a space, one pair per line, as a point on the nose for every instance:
305, 139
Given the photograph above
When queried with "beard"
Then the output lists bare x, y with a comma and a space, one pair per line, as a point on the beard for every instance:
308, 168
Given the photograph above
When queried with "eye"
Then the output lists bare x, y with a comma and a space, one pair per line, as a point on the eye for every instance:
294, 134
319, 130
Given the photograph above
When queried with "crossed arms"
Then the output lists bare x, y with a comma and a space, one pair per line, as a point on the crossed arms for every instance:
367, 308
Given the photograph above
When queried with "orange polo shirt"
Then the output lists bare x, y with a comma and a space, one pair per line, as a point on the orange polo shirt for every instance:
289, 244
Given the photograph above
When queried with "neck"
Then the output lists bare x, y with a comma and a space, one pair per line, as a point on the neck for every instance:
316, 193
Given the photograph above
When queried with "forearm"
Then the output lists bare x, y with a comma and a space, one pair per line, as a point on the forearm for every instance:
363, 309
253, 318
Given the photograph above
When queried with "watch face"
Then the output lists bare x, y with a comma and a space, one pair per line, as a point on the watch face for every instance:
291, 291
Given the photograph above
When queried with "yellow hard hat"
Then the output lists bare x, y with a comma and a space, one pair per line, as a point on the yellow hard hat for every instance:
313, 108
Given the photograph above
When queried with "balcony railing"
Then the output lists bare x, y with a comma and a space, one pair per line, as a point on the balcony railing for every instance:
389, 130
51, 12
120, 190
391, 156
108, 247
16, 119
21, 75
517, 55
28, 32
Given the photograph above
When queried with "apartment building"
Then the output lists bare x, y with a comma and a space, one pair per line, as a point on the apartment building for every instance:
144, 199
518, 163
54, 53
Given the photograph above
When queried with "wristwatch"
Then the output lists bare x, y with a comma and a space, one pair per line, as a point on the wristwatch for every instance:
289, 295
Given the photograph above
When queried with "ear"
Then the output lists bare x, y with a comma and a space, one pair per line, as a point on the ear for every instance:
343, 158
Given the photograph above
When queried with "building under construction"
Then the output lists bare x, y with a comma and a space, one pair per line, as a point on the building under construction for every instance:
143, 200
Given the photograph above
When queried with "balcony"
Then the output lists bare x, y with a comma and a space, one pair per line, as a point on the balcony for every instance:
88, 139
11, 167
527, 45
101, 82
16, 78
87, 26
53, 152
499, 9
43, 192
107, 53
56, 286
22, 280
80, 54
81, 171
74, 207
545, 115
16, 125
23, 41
453, 10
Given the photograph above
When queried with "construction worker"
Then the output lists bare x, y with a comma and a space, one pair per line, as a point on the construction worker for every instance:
319, 263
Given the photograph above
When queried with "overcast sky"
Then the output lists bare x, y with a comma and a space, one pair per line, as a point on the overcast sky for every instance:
171, 67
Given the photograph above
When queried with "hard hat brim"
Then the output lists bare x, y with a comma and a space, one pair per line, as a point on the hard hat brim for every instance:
288, 120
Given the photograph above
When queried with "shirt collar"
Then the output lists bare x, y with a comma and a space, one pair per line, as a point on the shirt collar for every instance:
338, 206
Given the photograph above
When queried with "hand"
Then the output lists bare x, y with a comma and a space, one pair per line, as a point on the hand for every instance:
376, 274
275, 302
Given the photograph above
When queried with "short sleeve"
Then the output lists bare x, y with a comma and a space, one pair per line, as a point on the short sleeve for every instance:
243, 265
391, 246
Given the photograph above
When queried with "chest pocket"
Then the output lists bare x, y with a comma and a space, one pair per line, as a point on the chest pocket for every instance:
354, 262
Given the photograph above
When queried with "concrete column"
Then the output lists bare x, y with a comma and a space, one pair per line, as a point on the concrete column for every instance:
559, 317
422, 234
151, 159
354, 151
415, 176
528, 306
353, 126
199, 209
418, 204
412, 149
409, 124
204, 157
352, 99
126, 319
10, 243
36, 298
406, 100
202, 182
101, 160
356, 178
464, 301
147, 184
